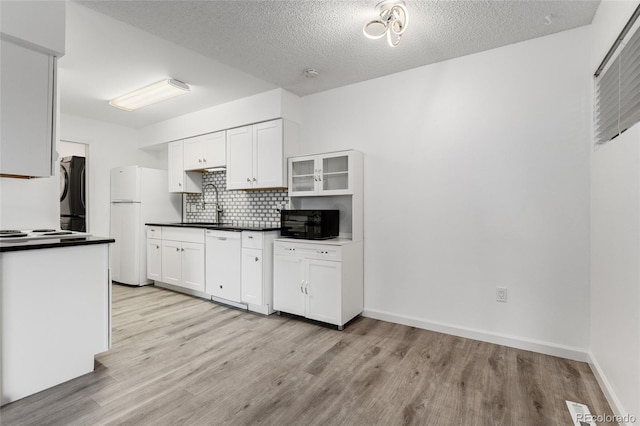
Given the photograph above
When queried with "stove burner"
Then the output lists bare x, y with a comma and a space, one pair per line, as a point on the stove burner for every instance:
59, 233
12, 234
44, 230
9, 231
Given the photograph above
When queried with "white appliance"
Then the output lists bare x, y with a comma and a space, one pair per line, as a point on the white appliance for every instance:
223, 264
12, 236
138, 196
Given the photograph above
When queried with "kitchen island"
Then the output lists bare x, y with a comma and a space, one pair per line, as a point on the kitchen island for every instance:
55, 311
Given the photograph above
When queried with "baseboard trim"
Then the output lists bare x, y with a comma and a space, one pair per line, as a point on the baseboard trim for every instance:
547, 348
607, 390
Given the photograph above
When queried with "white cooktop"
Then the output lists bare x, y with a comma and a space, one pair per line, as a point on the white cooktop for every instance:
38, 234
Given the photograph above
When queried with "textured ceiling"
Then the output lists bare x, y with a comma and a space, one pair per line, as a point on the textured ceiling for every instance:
106, 58
275, 41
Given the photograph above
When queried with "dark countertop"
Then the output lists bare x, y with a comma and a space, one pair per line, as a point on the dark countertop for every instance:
220, 227
6, 246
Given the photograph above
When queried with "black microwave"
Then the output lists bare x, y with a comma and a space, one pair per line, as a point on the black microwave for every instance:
310, 224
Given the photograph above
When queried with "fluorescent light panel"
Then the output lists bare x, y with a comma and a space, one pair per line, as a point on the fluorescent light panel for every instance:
154, 93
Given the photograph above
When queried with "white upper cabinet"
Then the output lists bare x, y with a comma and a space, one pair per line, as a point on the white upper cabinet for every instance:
240, 158
205, 151
256, 154
334, 173
33, 36
268, 161
179, 180
27, 121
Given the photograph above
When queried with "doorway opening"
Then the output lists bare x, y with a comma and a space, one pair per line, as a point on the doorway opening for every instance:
74, 195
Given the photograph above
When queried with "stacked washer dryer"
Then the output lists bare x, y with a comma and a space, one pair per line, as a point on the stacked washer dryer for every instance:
72, 194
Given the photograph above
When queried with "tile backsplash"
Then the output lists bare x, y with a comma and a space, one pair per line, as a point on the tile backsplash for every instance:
245, 208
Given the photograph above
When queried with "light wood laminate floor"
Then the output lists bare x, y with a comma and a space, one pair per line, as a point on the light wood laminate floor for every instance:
178, 360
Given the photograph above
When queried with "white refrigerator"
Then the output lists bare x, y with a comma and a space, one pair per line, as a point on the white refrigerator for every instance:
138, 196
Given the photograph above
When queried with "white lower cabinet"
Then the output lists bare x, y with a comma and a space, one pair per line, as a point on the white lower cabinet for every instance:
171, 262
226, 266
288, 284
252, 275
321, 281
154, 259
257, 270
323, 287
193, 266
183, 259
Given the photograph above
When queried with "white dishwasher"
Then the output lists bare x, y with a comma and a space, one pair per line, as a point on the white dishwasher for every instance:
223, 267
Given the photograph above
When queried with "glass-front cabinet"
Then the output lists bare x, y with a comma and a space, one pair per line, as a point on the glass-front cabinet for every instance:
302, 175
323, 174
335, 174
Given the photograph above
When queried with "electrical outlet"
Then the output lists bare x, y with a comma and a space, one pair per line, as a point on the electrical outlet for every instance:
501, 294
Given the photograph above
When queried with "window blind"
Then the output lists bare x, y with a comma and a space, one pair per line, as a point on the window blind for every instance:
617, 97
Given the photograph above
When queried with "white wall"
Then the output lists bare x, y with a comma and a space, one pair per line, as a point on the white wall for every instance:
277, 103
39, 24
68, 149
109, 146
29, 203
476, 176
615, 242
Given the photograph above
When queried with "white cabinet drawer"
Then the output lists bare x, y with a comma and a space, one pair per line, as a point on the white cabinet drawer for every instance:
252, 239
308, 250
154, 232
189, 235
223, 235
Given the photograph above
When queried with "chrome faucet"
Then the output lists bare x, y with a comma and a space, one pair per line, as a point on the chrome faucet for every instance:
218, 206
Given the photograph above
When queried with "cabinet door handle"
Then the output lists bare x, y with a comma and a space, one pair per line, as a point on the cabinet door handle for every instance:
199, 160
204, 160
257, 259
301, 284
157, 247
220, 286
255, 180
222, 238
248, 180
306, 288
181, 249
177, 249
250, 237
179, 184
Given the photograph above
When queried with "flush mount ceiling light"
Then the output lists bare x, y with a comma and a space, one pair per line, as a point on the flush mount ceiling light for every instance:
392, 22
154, 93
310, 72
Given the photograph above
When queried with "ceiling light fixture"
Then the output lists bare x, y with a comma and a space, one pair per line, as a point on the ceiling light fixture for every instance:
392, 22
310, 72
154, 93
